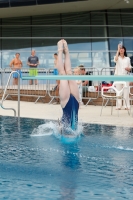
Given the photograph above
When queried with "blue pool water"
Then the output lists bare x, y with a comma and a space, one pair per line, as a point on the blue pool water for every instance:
99, 165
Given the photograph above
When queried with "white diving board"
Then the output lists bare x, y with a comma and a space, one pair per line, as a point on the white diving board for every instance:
127, 78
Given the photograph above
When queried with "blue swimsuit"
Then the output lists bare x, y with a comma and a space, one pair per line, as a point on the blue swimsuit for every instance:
70, 113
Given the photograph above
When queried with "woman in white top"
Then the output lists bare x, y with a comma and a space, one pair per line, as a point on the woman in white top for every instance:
123, 67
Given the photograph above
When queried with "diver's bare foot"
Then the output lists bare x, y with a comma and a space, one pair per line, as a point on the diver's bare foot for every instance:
61, 49
60, 45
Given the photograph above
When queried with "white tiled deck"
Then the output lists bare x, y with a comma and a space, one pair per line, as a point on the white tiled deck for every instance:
89, 114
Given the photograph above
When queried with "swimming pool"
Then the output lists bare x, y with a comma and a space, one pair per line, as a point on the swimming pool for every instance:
99, 165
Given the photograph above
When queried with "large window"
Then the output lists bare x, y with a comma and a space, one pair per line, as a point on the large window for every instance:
120, 29
17, 3
93, 37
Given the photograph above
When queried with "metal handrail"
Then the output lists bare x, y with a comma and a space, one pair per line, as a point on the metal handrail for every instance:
27, 89
1, 103
1, 82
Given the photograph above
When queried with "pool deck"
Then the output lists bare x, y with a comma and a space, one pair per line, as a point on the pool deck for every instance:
88, 114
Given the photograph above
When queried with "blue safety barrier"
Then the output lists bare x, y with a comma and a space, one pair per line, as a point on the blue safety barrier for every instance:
80, 77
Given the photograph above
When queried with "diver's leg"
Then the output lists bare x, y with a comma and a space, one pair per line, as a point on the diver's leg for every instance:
72, 83
64, 90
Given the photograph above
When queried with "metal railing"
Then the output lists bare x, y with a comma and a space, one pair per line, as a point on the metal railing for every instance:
1, 80
107, 71
44, 88
37, 89
5, 90
53, 90
90, 91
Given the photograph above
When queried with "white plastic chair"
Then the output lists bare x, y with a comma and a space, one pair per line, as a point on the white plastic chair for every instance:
118, 94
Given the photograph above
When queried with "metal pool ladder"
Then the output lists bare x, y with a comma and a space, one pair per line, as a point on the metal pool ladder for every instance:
1, 103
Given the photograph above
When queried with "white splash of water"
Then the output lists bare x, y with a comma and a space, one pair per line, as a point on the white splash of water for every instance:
123, 148
67, 135
44, 129
50, 128
120, 148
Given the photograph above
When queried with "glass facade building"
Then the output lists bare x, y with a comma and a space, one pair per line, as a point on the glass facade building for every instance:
93, 37
16, 3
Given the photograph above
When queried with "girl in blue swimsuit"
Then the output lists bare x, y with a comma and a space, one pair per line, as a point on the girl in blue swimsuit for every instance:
68, 89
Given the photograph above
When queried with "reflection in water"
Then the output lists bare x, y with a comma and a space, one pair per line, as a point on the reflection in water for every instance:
120, 133
122, 160
70, 164
98, 167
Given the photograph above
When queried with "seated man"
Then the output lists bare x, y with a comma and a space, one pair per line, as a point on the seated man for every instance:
68, 89
85, 83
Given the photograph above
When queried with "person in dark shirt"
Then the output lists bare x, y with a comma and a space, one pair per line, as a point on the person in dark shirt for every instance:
33, 62
131, 61
85, 83
83, 72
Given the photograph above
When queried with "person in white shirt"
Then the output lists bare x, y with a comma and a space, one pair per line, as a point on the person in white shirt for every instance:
123, 67
79, 83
